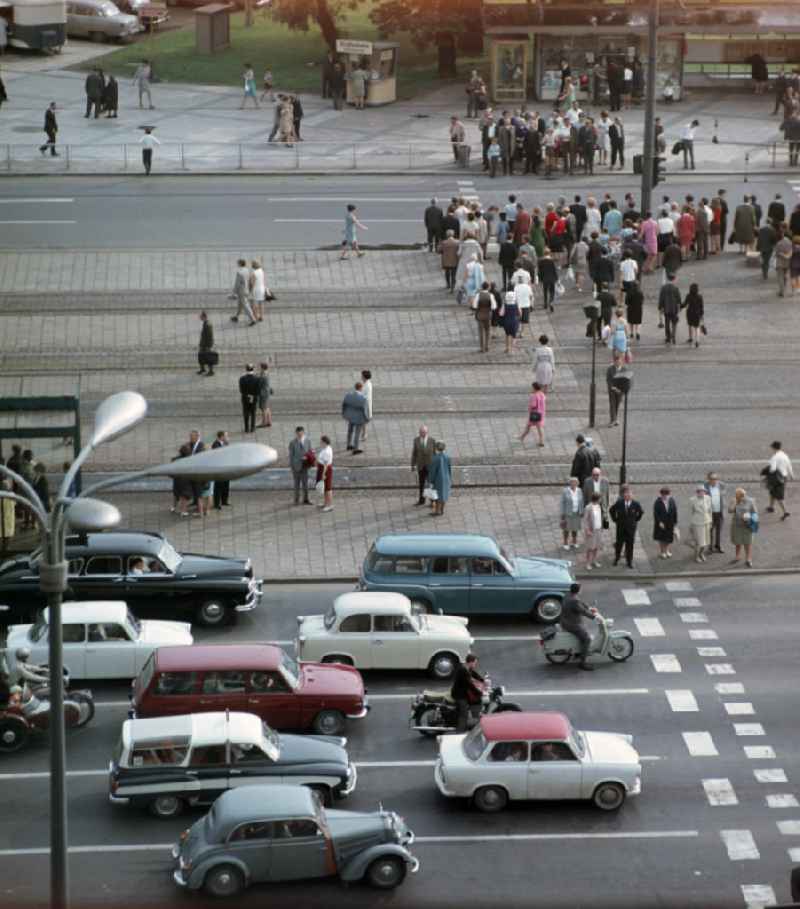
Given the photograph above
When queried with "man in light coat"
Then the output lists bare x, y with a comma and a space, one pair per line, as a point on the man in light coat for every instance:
597, 483
299, 448
422, 452
354, 411
241, 292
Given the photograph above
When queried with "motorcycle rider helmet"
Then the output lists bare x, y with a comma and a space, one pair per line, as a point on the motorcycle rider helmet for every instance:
23, 654
574, 588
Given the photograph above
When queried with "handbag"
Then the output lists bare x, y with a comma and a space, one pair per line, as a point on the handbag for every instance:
430, 494
212, 357
703, 328
605, 524
319, 487
677, 148
676, 534
560, 289
310, 459
535, 416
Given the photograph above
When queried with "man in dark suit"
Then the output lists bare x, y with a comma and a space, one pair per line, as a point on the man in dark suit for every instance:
451, 222
626, 513
434, 218
205, 347
50, 128
300, 463
248, 390
222, 488
422, 452
578, 209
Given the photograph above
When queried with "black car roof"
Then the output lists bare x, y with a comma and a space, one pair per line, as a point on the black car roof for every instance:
115, 542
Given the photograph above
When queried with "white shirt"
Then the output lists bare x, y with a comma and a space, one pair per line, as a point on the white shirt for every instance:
592, 221
688, 132
367, 392
574, 493
521, 276
595, 516
573, 115
461, 213
716, 498
781, 464
666, 225
259, 285
627, 74
148, 140
628, 269
523, 295
325, 456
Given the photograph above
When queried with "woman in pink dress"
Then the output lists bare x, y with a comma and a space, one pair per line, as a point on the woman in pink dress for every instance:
537, 406
686, 231
649, 236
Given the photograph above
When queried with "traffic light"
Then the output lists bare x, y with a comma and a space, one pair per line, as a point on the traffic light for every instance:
659, 170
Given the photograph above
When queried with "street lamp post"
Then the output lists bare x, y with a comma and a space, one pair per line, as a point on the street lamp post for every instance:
592, 313
623, 381
115, 416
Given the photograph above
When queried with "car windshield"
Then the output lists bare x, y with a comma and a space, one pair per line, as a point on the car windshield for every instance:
209, 824
577, 743
474, 744
290, 669
38, 629
108, 9
272, 742
169, 557
508, 555
134, 624
330, 618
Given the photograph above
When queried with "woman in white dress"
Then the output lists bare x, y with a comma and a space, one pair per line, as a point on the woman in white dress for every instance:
544, 363
603, 125
366, 381
593, 531
258, 290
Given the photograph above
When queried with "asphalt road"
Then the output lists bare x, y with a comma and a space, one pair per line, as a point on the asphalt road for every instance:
288, 212
672, 847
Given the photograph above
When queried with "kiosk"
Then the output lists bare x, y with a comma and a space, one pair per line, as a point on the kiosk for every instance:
379, 60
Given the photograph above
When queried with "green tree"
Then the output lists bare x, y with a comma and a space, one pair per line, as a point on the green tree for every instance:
449, 24
301, 14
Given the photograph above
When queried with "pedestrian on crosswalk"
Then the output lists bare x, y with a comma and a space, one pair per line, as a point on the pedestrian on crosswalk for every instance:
351, 225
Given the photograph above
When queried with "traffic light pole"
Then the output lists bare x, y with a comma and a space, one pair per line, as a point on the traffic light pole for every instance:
649, 154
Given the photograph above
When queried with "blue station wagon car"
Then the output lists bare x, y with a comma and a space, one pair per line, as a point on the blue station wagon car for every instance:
466, 574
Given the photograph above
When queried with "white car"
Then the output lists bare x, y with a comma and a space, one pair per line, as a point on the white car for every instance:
530, 755
381, 631
102, 639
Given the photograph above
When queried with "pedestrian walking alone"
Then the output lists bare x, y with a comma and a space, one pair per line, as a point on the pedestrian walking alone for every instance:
440, 478
743, 524
241, 293
665, 519
148, 143
544, 364
693, 304
51, 130
700, 523
351, 226
778, 471
141, 79
206, 355
249, 87
537, 409
248, 391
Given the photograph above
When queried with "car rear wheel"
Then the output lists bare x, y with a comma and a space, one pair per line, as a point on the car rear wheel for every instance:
609, 796
547, 610
224, 880
490, 799
14, 733
386, 872
324, 794
329, 722
166, 806
443, 665
337, 658
212, 613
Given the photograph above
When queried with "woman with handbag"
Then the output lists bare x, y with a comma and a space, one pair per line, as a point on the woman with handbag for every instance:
537, 407
440, 477
325, 474
693, 304
665, 518
743, 526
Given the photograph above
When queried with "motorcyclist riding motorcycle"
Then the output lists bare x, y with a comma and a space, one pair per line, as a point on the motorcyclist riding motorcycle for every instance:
573, 611
467, 689
36, 675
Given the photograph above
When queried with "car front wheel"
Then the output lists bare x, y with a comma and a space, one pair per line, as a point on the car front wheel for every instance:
490, 799
386, 872
329, 722
442, 665
212, 613
547, 610
224, 880
609, 796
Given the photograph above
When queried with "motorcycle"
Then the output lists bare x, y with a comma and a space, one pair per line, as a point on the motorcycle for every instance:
436, 713
560, 646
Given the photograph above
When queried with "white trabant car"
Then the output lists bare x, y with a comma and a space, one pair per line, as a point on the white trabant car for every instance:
102, 639
537, 755
381, 631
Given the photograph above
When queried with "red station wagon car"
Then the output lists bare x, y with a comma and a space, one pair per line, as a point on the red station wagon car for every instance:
254, 678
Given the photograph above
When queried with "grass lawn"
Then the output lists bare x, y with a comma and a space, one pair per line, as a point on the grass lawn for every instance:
272, 44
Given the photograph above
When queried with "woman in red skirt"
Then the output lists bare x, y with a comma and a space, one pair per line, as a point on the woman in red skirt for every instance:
325, 472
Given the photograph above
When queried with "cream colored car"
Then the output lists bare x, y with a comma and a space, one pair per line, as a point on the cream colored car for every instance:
380, 631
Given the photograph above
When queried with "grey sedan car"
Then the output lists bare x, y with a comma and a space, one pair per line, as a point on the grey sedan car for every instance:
273, 833
99, 20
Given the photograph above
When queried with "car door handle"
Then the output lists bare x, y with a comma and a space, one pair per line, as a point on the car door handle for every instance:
477, 585
91, 650
253, 701
377, 641
235, 772
435, 584
191, 773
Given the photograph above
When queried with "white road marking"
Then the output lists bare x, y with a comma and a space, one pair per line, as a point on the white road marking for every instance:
748, 729
678, 586
782, 800
703, 634
720, 669
687, 602
665, 662
11, 200
758, 896
729, 688
649, 628
318, 201
739, 708
690, 617
700, 744
299, 221
773, 775
719, 792
509, 637
740, 845
789, 828
682, 700
794, 855
711, 652
636, 597
759, 752
39, 222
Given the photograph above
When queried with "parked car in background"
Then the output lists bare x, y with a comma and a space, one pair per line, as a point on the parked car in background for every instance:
145, 570
100, 20
169, 763
381, 631
537, 755
257, 678
267, 834
102, 639
466, 573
